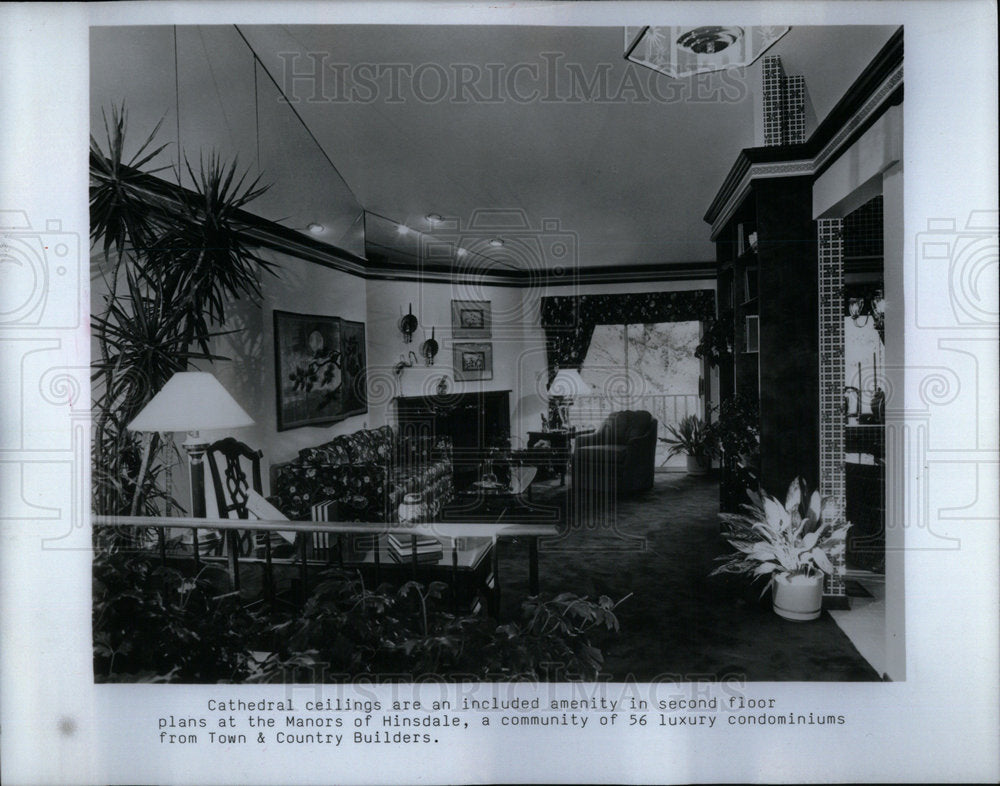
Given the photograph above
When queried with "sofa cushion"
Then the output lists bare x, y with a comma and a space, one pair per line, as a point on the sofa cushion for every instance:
336, 451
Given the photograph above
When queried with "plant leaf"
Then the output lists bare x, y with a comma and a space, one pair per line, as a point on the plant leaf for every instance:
820, 558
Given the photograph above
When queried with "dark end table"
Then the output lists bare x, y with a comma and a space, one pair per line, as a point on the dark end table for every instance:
556, 455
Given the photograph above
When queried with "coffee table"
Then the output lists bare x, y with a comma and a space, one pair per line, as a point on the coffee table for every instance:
468, 561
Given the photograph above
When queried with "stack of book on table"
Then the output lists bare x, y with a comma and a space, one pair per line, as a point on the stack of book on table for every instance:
401, 547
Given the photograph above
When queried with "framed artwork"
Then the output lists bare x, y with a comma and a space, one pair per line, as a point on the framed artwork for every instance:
472, 361
471, 319
320, 366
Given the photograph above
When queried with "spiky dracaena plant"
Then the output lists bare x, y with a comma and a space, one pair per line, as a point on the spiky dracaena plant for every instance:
173, 262
801, 537
691, 436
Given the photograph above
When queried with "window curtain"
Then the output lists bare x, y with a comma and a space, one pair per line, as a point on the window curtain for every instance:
569, 320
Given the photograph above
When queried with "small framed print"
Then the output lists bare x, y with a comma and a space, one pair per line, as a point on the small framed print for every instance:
471, 319
473, 361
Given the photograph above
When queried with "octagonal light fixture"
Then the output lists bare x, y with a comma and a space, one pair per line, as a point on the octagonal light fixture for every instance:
685, 51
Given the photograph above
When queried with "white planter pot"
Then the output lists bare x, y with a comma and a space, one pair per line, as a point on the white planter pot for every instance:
695, 466
797, 598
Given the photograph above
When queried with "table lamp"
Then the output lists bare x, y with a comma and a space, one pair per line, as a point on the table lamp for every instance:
528, 409
565, 386
192, 401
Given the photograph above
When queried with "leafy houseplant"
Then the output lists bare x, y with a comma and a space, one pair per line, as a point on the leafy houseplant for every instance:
154, 624
716, 345
794, 544
737, 433
694, 438
348, 629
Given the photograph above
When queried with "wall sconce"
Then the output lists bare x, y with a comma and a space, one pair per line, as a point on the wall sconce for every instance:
429, 349
408, 326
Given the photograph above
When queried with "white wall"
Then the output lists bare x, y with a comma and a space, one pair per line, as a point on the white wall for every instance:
388, 301
249, 375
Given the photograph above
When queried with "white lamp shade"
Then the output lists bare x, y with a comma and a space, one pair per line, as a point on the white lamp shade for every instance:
529, 406
191, 401
568, 382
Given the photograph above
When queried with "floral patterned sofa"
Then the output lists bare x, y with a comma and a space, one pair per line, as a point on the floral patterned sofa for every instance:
367, 473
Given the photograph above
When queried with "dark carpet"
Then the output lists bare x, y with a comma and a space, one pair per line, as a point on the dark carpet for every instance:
679, 624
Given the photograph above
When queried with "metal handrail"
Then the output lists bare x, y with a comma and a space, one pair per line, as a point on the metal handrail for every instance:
441, 529
451, 530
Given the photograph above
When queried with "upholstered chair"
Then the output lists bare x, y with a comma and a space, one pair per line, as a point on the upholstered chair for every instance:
619, 456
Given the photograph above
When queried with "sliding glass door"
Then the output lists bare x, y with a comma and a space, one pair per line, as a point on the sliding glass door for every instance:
648, 367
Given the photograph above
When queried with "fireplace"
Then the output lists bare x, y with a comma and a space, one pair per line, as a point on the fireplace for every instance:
473, 422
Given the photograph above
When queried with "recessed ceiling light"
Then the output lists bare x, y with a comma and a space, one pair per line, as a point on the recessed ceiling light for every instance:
316, 229
403, 229
496, 242
433, 218
461, 252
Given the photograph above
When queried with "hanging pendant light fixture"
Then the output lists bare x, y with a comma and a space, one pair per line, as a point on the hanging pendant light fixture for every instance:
685, 51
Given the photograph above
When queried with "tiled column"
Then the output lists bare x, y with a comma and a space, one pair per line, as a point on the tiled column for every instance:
795, 110
831, 380
774, 100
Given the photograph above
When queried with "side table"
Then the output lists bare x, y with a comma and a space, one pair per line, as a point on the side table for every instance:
558, 452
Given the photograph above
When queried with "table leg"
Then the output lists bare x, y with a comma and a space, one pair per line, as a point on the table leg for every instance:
161, 535
454, 579
234, 559
495, 595
268, 569
533, 566
303, 568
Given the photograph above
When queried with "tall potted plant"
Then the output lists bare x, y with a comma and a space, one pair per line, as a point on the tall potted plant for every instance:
692, 437
794, 545
736, 429
173, 261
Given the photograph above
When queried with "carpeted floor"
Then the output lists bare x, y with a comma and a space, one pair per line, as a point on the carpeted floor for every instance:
679, 624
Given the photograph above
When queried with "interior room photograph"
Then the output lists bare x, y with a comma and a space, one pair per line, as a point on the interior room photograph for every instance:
496, 353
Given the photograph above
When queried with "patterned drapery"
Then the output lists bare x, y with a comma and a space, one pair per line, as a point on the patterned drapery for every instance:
569, 321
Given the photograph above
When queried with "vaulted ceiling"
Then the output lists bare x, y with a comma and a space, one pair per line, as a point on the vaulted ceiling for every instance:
515, 132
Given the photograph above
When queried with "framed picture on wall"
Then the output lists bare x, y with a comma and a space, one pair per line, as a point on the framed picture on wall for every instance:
319, 364
472, 361
471, 319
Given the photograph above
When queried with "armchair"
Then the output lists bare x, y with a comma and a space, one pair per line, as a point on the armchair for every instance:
620, 454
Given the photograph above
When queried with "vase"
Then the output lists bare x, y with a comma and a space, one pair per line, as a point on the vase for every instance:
797, 598
695, 466
412, 509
